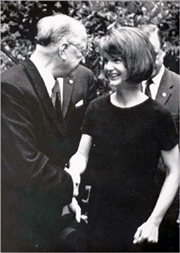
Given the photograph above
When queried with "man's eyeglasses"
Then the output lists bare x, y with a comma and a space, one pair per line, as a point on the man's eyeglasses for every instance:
84, 52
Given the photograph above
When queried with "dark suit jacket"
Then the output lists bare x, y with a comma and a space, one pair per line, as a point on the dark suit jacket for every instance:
77, 94
34, 186
168, 93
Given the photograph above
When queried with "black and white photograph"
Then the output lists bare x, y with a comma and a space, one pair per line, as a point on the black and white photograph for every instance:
90, 126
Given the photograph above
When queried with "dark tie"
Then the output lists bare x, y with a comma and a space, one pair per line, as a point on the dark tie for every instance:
147, 89
56, 98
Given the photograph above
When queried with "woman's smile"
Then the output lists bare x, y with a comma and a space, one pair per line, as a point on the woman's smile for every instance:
114, 75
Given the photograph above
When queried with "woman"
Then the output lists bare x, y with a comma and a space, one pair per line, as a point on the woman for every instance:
126, 133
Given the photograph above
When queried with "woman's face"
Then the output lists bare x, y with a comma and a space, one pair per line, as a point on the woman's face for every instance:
114, 69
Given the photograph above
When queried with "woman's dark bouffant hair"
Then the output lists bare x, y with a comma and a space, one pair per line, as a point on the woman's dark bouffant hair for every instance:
134, 48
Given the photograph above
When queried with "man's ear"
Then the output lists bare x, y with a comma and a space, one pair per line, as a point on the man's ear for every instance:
164, 48
62, 50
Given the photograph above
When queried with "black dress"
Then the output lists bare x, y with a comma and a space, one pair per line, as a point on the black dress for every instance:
123, 166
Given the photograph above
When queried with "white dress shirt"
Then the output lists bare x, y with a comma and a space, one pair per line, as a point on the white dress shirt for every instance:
156, 82
60, 81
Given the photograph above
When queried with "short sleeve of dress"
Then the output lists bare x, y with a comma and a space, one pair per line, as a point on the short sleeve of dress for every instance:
168, 137
89, 119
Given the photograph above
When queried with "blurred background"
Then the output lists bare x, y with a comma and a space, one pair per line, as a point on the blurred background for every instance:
19, 19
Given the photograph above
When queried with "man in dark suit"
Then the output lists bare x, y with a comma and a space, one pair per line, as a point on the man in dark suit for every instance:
165, 86
165, 89
34, 184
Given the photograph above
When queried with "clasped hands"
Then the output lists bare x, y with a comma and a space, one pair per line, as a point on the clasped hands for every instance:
148, 231
74, 206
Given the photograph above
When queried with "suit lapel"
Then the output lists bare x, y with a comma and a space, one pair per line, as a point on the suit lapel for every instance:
41, 91
67, 93
164, 91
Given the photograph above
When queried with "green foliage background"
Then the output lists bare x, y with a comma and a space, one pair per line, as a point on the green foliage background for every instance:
19, 19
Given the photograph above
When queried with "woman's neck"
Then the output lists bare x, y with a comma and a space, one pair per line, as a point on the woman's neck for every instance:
128, 97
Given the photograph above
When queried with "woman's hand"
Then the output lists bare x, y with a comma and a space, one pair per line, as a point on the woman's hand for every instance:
76, 181
148, 231
75, 208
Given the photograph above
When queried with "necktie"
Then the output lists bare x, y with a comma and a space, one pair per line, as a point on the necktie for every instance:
147, 89
56, 98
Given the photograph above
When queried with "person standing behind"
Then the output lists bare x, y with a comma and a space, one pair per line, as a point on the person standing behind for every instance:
34, 184
164, 88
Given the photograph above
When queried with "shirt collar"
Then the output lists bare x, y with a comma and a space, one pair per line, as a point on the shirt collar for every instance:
46, 75
156, 83
157, 78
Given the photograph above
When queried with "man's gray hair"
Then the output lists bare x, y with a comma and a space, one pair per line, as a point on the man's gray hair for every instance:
57, 28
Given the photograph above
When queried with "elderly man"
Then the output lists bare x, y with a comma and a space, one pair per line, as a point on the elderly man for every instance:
35, 186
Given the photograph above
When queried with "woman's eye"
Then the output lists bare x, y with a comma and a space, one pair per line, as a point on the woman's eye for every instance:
117, 60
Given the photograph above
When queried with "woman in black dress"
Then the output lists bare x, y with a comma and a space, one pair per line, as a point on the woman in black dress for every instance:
125, 133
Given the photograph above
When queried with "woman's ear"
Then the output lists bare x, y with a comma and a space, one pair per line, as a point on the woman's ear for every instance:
63, 50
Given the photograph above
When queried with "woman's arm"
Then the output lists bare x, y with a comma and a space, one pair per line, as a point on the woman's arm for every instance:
149, 230
79, 160
77, 166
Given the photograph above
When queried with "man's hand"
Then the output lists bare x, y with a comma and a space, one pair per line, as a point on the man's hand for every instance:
74, 207
147, 231
76, 181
